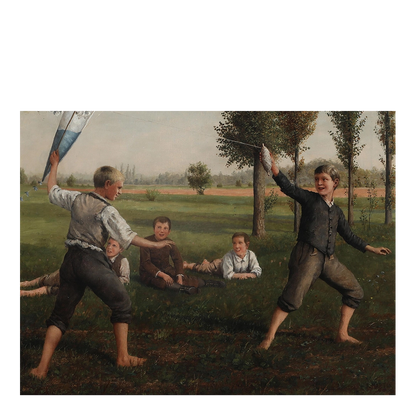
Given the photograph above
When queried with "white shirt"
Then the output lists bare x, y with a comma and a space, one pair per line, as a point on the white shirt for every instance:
231, 264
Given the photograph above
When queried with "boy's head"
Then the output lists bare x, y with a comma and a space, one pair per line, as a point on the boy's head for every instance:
326, 179
113, 248
161, 227
241, 241
110, 180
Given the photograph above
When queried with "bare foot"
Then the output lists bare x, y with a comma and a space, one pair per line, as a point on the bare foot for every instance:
265, 344
130, 361
205, 261
35, 372
347, 338
185, 264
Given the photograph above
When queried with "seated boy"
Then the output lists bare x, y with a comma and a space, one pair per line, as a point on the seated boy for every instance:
239, 263
313, 256
156, 269
48, 284
93, 220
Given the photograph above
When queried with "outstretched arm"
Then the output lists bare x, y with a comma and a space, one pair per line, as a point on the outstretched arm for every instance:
54, 160
142, 242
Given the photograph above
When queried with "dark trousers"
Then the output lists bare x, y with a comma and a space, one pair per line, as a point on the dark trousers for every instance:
307, 264
82, 268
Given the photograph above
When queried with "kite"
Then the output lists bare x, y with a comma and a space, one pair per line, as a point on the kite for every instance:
70, 127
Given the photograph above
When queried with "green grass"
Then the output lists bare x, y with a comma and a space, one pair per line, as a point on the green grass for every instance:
206, 344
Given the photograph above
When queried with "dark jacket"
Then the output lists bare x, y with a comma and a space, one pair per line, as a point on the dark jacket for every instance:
152, 260
319, 223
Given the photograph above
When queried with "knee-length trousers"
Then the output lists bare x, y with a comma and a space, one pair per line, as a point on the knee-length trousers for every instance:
307, 264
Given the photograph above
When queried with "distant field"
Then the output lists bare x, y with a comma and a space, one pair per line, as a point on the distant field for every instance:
206, 344
231, 191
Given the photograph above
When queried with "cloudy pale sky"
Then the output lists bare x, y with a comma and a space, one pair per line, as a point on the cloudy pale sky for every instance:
160, 141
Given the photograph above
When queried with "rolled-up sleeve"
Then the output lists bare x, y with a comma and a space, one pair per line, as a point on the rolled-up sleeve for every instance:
254, 265
117, 226
124, 271
62, 197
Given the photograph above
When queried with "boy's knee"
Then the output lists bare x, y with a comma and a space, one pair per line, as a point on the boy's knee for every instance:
353, 299
287, 306
121, 311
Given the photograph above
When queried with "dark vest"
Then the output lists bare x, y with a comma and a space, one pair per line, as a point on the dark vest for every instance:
117, 264
85, 223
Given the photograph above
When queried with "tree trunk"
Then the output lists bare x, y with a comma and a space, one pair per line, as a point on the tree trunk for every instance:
350, 192
388, 207
296, 207
259, 189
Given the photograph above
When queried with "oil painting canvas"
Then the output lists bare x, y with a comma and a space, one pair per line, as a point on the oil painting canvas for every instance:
209, 218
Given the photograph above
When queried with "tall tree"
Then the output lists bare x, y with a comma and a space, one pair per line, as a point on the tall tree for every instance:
349, 125
386, 131
296, 127
253, 128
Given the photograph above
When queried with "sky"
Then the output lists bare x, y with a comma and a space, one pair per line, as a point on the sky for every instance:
160, 141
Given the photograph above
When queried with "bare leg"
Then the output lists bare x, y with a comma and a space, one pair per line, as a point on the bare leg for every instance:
123, 358
29, 283
278, 317
35, 292
346, 315
52, 338
187, 265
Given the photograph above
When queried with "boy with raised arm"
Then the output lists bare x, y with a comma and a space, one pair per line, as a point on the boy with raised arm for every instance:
93, 219
313, 256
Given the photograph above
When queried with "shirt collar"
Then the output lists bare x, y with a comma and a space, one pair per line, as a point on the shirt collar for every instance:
239, 258
330, 204
113, 259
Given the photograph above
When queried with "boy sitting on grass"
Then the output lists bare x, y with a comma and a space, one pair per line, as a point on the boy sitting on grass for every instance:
156, 269
48, 284
239, 263
93, 220
313, 256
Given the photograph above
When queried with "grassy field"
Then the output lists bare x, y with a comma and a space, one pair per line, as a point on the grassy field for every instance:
206, 344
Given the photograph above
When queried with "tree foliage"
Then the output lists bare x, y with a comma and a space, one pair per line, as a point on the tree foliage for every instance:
71, 181
253, 128
199, 177
349, 125
295, 128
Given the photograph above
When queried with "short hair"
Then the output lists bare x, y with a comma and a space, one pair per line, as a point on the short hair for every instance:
107, 173
118, 242
330, 170
240, 234
163, 220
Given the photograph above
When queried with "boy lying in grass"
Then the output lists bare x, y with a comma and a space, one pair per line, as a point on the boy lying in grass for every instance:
313, 256
239, 263
48, 284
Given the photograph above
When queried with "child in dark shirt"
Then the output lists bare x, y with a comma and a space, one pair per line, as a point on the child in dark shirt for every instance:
313, 256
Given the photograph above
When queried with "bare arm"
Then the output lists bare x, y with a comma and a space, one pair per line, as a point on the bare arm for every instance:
52, 179
243, 276
142, 242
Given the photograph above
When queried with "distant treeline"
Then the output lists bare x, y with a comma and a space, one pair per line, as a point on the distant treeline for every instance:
363, 177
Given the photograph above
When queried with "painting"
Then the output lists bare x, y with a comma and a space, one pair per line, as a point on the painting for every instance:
207, 252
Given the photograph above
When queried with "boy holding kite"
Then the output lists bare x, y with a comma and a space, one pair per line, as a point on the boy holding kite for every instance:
93, 219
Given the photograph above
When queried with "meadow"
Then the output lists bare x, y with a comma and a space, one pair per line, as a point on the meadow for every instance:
206, 344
